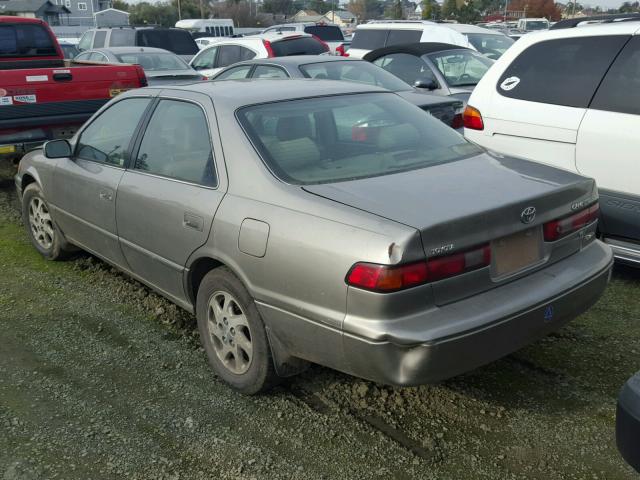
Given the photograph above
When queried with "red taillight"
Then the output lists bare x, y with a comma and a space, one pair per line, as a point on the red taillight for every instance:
457, 121
340, 51
472, 118
142, 78
325, 44
462, 262
268, 48
556, 229
388, 278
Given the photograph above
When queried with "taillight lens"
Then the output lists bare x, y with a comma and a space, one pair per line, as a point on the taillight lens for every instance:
268, 48
557, 229
472, 118
388, 278
142, 78
457, 121
340, 51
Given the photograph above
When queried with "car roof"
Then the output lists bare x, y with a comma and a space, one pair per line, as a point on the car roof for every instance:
234, 94
397, 25
269, 36
466, 28
417, 49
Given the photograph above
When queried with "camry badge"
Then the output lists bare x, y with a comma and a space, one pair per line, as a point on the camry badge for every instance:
528, 215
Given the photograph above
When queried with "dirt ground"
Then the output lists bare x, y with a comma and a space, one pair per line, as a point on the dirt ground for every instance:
100, 378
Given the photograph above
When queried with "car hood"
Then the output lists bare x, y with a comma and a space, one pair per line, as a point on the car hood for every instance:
465, 202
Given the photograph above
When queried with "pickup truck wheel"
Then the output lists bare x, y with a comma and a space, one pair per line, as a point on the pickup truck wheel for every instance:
232, 333
41, 229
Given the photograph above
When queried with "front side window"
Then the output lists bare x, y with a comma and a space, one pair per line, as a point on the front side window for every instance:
235, 73
176, 144
347, 137
108, 137
406, 67
461, 68
618, 92
206, 59
354, 71
564, 71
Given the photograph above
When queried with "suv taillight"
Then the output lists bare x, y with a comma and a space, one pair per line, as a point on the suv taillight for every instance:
340, 51
557, 229
391, 278
472, 118
268, 48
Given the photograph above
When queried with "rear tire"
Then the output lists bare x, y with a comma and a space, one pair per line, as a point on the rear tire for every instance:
233, 334
43, 232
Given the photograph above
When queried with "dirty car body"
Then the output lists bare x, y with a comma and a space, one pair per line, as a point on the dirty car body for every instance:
371, 238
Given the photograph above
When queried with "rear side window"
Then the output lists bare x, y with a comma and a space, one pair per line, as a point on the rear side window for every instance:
98, 40
560, 72
298, 46
618, 92
177, 41
398, 37
369, 39
176, 144
122, 38
28, 40
327, 33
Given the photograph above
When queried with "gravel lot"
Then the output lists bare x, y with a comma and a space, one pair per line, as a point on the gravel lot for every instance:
100, 378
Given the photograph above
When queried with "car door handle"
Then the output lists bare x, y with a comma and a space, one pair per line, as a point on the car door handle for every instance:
108, 196
193, 221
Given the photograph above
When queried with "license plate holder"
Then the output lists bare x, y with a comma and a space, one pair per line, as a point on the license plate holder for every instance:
514, 253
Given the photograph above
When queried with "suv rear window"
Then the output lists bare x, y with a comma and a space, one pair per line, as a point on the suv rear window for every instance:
298, 46
328, 33
564, 72
369, 39
25, 40
347, 137
177, 41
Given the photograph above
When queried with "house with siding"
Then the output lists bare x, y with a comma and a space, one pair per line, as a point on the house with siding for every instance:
83, 11
49, 11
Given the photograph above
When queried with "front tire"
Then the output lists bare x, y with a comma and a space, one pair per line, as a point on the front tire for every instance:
233, 334
41, 229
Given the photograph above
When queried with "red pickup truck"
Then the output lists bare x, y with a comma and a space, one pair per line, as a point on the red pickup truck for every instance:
42, 95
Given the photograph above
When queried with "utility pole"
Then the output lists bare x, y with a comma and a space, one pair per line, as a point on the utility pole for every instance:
201, 10
179, 11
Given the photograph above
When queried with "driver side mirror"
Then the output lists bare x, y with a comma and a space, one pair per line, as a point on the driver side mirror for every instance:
428, 83
57, 149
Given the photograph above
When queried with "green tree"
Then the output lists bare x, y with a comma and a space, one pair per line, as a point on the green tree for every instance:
397, 13
284, 7
120, 5
319, 6
449, 9
366, 9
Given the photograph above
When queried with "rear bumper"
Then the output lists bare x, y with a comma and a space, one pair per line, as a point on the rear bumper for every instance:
447, 341
628, 422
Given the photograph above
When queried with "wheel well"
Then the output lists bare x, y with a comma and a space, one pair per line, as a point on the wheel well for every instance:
27, 180
198, 270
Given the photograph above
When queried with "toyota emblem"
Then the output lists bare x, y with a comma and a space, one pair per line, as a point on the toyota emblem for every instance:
528, 215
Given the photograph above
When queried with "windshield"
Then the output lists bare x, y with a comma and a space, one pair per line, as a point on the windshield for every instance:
461, 68
536, 25
493, 46
153, 61
328, 33
355, 71
176, 41
348, 137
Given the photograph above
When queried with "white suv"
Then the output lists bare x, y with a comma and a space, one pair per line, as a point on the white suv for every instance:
378, 34
227, 51
569, 97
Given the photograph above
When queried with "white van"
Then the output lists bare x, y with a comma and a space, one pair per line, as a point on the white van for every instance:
212, 27
378, 34
568, 97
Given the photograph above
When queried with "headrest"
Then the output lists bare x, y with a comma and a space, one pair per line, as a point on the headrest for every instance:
292, 128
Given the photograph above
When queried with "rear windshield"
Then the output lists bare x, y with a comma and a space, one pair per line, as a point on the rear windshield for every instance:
176, 41
298, 46
347, 137
154, 61
354, 71
122, 38
25, 40
328, 33
369, 39
493, 46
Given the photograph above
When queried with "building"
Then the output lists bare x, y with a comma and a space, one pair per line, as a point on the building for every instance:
83, 11
342, 18
43, 9
111, 17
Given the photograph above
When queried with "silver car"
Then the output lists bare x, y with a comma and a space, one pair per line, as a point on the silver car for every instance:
325, 222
